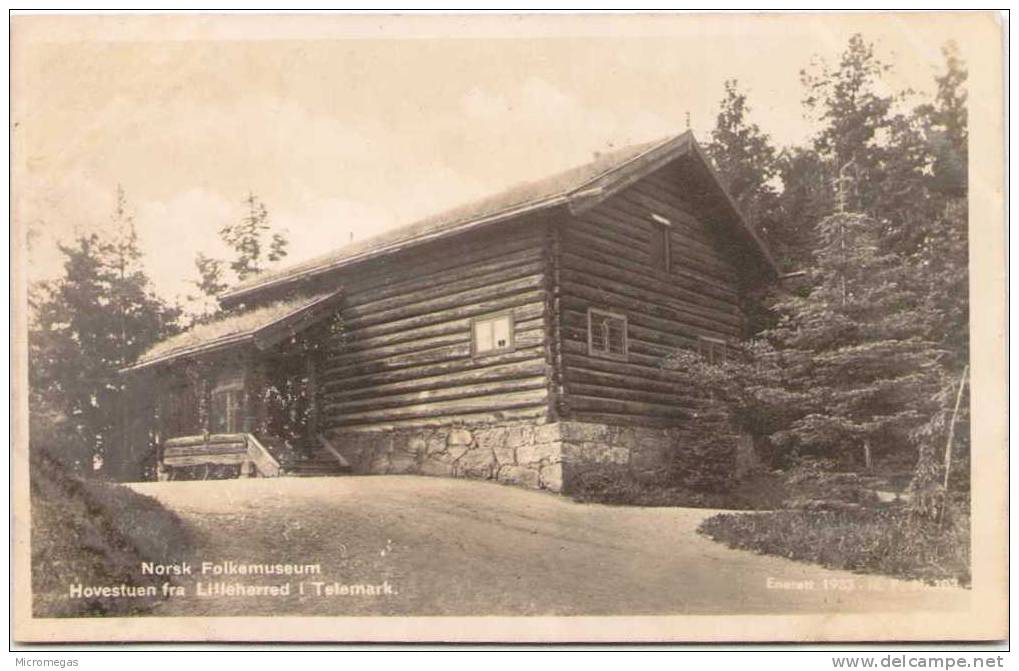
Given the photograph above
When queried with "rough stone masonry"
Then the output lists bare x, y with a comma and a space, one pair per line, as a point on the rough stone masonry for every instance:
537, 456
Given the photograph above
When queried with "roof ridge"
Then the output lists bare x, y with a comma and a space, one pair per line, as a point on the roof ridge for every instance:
558, 188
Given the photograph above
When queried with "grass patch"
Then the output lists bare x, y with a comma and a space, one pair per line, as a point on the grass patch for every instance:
763, 491
878, 539
759, 490
95, 533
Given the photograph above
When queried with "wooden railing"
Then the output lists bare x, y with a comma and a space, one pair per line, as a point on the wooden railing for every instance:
262, 458
328, 447
221, 448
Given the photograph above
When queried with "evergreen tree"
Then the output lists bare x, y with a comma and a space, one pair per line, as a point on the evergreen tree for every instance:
805, 199
855, 114
856, 365
744, 158
947, 126
86, 325
255, 245
846, 159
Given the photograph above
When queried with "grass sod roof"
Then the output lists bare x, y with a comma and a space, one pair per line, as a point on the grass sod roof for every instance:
234, 328
525, 196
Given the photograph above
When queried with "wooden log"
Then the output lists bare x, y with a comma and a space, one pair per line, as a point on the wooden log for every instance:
574, 359
553, 381
575, 324
627, 393
694, 298
494, 304
354, 340
682, 274
637, 202
687, 248
193, 450
423, 305
210, 439
578, 298
692, 243
409, 347
446, 408
623, 206
710, 320
622, 407
579, 259
447, 280
430, 396
198, 460
638, 353
583, 374
536, 413
371, 380
339, 390
441, 258
429, 356
436, 256
453, 291
613, 233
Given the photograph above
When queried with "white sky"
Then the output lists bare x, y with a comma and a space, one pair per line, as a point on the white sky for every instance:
346, 126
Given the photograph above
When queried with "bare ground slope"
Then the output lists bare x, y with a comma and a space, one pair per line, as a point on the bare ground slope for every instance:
455, 547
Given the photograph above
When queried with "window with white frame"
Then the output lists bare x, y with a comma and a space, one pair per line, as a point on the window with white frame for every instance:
492, 334
712, 349
606, 334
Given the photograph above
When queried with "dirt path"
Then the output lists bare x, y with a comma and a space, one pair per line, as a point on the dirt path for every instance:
457, 547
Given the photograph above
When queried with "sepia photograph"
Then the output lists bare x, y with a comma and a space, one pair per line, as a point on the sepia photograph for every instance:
512, 328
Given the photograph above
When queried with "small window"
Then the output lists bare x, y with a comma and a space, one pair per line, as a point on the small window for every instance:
493, 334
606, 334
712, 349
661, 243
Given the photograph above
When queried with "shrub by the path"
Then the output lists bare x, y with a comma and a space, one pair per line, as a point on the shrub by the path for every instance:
881, 540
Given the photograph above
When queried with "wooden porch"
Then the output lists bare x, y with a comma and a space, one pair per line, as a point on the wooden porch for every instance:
241, 455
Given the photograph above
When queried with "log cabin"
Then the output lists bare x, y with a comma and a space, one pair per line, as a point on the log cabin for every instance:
519, 338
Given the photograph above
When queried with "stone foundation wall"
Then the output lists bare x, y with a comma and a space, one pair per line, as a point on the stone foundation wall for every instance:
536, 456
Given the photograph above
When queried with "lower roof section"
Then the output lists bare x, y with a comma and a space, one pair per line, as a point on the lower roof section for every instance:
260, 326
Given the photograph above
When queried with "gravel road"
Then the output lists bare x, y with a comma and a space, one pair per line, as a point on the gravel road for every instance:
408, 545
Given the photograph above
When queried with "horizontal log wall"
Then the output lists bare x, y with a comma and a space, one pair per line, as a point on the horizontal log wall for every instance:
405, 357
606, 261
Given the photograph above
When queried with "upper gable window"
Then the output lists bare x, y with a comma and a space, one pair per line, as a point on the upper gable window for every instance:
492, 334
661, 243
606, 334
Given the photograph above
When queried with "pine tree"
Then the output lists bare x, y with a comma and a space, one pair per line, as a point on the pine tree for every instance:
805, 199
947, 126
256, 246
848, 100
86, 325
744, 158
248, 238
940, 267
856, 364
